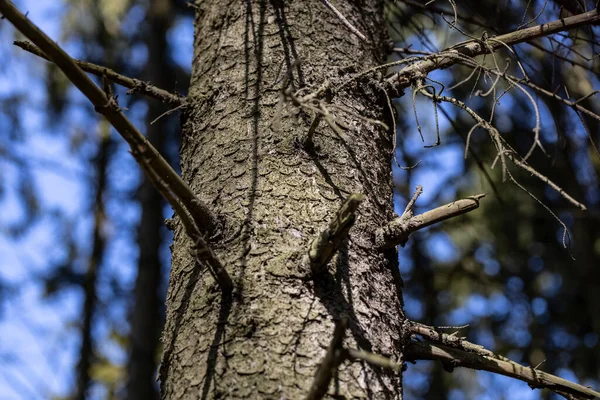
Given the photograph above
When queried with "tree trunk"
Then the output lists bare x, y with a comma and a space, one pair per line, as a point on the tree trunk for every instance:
275, 190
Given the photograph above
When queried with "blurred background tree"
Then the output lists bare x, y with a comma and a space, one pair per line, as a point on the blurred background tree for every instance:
103, 277
504, 270
83, 277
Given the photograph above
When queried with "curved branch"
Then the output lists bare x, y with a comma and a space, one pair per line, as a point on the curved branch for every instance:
333, 358
195, 214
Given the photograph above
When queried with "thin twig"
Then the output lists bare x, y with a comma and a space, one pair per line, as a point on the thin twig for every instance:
517, 82
546, 180
478, 161
403, 78
566, 237
140, 146
373, 359
560, 57
345, 21
589, 133
573, 104
135, 85
409, 209
504, 150
392, 111
440, 10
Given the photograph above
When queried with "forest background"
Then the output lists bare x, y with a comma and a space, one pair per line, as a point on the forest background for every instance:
84, 256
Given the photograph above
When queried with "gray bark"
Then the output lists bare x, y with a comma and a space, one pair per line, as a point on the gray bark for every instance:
250, 160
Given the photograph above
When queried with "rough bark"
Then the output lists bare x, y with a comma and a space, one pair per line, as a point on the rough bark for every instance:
147, 315
249, 158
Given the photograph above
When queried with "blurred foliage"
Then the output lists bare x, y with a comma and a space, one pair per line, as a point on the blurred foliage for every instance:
47, 182
503, 269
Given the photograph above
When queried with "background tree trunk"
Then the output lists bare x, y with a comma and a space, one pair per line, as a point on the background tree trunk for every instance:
147, 315
250, 159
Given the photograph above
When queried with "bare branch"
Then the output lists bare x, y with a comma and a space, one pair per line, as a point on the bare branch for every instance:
504, 150
425, 6
433, 333
202, 251
454, 352
471, 48
333, 358
140, 146
452, 358
165, 179
409, 209
524, 81
135, 85
560, 57
373, 359
397, 231
204, 254
325, 245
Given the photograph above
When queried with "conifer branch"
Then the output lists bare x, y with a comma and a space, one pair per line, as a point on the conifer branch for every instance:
472, 48
397, 231
452, 357
135, 85
157, 169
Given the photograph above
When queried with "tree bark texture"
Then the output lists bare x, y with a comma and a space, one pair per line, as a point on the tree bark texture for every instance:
250, 159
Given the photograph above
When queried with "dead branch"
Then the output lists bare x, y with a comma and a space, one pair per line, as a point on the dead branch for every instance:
326, 244
563, 58
318, 102
135, 85
471, 48
526, 82
536, 379
373, 359
433, 333
168, 183
504, 150
453, 352
426, 6
397, 231
106, 106
333, 358
202, 251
